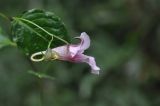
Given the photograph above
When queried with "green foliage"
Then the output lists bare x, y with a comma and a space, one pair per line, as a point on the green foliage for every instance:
4, 41
125, 39
40, 75
34, 29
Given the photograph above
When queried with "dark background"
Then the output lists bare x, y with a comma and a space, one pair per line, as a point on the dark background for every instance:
125, 40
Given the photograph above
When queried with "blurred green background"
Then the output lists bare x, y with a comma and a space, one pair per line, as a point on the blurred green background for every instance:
125, 40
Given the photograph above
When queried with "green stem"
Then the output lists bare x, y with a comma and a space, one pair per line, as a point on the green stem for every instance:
25, 25
40, 82
13, 44
4, 16
8, 42
50, 42
41, 29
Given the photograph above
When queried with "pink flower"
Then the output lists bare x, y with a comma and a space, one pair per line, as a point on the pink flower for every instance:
74, 53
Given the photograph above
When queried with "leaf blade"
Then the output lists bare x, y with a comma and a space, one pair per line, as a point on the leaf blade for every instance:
31, 28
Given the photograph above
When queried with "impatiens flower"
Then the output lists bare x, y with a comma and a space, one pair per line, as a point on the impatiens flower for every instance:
72, 53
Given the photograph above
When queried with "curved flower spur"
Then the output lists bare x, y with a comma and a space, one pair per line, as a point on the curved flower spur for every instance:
70, 52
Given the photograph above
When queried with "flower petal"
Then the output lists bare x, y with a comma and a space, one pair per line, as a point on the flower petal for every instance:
83, 45
62, 52
85, 41
88, 59
74, 49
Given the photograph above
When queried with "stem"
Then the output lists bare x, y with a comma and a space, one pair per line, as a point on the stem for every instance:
8, 20
40, 83
4, 16
41, 29
49, 45
10, 43
25, 25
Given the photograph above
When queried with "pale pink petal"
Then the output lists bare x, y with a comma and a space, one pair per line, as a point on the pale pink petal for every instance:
74, 49
87, 59
83, 45
62, 51
85, 41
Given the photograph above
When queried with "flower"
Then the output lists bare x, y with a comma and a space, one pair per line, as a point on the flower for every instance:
72, 53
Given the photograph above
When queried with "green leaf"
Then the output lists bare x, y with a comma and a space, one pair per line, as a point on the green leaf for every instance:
4, 41
34, 29
40, 75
